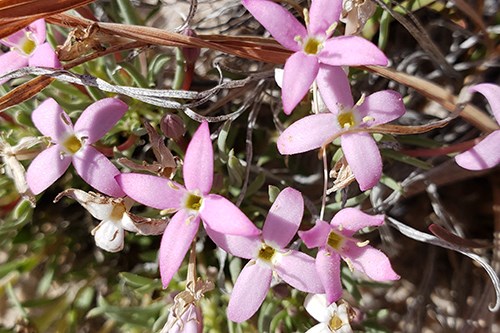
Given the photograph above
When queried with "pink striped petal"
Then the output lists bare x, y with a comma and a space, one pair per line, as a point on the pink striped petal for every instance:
198, 166
328, 268
97, 119
351, 51
308, 133
175, 243
383, 106
249, 291
371, 261
334, 88
350, 220
363, 156
299, 271
97, 171
11, 61
317, 235
52, 121
46, 168
240, 246
284, 218
282, 25
492, 94
44, 56
152, 191
322, 14
223, 216
299, 73
39, 30
484, 155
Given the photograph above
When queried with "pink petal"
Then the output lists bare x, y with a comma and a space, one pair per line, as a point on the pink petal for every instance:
15, 39
46, 168
334, 88
39, 30
97, 171
51, 120
11, 61
44, 56
239, 246
351, 51
284, 218
322, 14
300, 136
363, 156
492, 94
282, 25
350, 220
299, 271
249, 291
198, 167
317, 235
175, 243
109, 237
484, 155
371, 261
152, 191
97, 119
383, 106
223, 216
328, 268
299, 73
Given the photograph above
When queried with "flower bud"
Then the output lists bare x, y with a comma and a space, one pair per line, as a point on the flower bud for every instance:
190, 321
172, 126
190, 54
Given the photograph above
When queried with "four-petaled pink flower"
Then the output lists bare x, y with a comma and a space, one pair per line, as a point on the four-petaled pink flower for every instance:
486, 153
191, 202
74, 145
315, 49
268, 255
28, 47
335, 241
360, 149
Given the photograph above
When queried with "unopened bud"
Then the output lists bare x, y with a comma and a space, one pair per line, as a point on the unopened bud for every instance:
190, 54
172, 126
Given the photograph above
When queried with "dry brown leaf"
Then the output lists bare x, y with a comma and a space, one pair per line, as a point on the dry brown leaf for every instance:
15, 15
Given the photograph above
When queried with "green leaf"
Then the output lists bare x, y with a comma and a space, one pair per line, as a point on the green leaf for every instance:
222, 140
137, 77
273, 192
395, 155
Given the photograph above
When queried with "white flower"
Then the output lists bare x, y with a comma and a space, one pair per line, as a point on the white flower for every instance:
332, 318
115, 218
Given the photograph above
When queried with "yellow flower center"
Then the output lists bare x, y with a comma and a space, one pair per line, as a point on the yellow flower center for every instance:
312, 46
346, 119
117, 212
335, 323
72, 144
193, 202
335, 240
28, 46
266, 253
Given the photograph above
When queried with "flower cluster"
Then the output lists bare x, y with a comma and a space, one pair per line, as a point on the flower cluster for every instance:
319, 62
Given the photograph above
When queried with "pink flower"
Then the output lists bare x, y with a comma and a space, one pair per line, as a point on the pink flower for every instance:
28, 48
315, 49
360, 150
190, 202
486, 153
332, 318
74, 145
268, 255
335, 241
